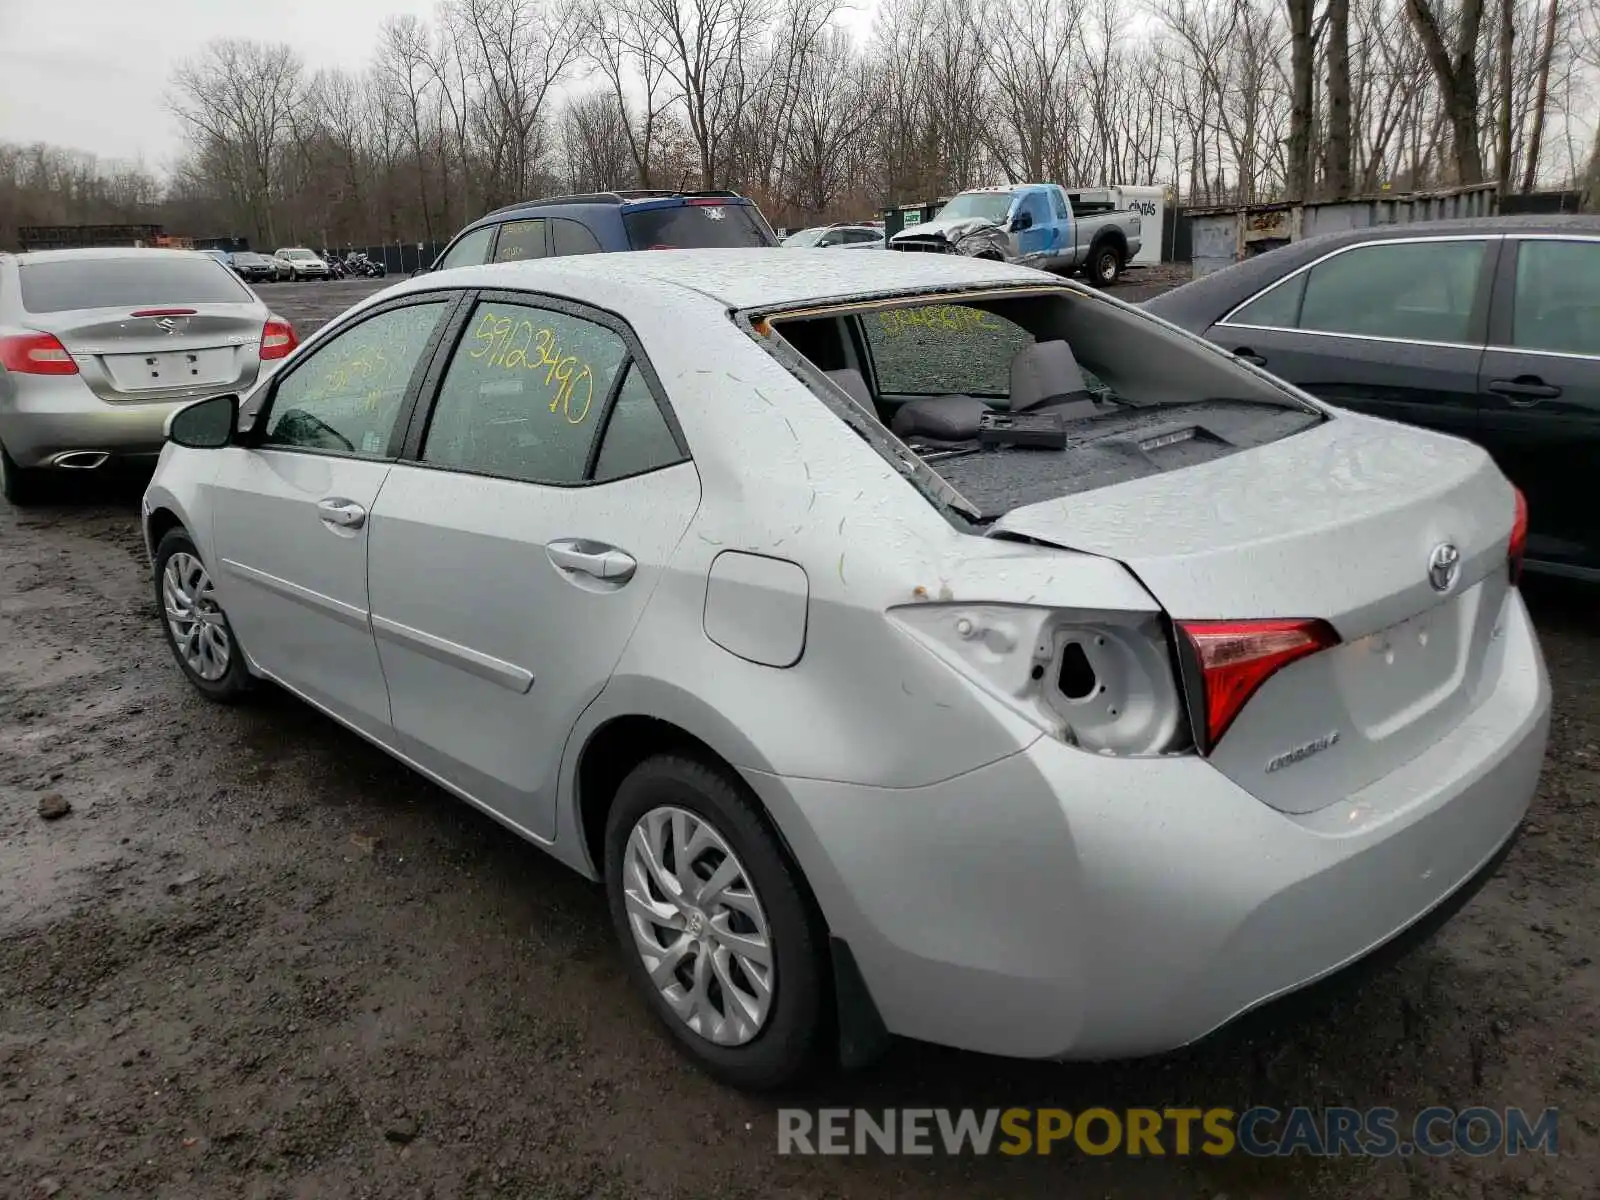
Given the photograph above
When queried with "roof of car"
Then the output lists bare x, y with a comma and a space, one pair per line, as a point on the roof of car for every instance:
1204, 300
102, 253
762, 277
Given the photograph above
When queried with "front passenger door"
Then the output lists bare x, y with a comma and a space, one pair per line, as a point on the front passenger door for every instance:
292, 507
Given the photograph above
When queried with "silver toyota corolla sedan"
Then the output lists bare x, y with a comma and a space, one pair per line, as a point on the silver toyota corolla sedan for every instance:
913, 644
98, 347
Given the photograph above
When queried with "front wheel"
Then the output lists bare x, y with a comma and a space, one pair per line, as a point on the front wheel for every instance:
714, 925
196, 627
1105, 266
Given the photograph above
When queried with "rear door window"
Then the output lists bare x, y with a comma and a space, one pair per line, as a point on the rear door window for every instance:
67, 284
520, 240
1557, 305
573, 237
695, 226
524, 394
940, 349
1417, 290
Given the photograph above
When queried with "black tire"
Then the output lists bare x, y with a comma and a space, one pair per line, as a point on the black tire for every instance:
235, 682
790, 1042
1105, 264
17, 485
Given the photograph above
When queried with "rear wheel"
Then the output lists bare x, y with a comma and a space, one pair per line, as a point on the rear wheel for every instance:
196, 627
17, 485
1105, 265
713, 924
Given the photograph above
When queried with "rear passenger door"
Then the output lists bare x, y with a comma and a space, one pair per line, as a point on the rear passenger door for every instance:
1541, 391
516, 545
1394, 328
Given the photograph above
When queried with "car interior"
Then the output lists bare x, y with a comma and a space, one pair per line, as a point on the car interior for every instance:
958, 380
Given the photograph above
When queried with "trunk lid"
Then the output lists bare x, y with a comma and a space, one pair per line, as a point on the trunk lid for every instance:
1337, 522
158, 352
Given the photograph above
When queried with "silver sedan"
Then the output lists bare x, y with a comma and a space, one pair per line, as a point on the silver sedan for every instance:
914, 645
98, 347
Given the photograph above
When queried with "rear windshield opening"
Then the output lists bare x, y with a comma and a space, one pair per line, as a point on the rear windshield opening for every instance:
123, 282
697, 226
1015, 398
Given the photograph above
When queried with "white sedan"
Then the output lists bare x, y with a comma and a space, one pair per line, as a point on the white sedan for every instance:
912, 644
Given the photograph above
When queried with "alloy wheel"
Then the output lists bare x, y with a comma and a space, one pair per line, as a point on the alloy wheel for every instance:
698, 925
199, 630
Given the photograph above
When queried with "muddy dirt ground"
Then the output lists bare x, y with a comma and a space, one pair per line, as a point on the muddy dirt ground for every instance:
258, 959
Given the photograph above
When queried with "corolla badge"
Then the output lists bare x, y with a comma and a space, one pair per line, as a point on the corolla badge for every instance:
1444, 566
1300, 753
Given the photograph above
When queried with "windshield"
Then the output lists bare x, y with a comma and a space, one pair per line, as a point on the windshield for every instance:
697, 226
990, 206
806, 237
128, 282
302, 255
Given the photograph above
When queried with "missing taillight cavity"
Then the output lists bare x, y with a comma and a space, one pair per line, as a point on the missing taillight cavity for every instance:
1097, 679
1233, 659
1077, 679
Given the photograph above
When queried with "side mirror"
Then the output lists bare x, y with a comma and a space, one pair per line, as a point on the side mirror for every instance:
206, 424
1020, 222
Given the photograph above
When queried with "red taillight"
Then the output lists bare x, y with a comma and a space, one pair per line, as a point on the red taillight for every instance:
1519, 537
1236, 657
709, 201
277, 339
35, 354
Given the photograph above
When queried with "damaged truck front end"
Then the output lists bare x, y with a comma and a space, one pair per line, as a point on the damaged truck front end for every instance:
973, 237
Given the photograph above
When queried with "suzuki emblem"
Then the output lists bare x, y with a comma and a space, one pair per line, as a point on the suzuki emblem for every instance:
1444, 565
167, 325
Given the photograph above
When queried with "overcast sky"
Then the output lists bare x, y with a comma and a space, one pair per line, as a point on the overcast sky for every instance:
93, 74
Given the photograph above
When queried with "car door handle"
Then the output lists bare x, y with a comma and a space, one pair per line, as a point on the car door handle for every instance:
346, 514
1525, 390
1249, 356
595, 559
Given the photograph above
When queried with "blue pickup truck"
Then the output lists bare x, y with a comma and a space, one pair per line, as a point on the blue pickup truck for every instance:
1033, 224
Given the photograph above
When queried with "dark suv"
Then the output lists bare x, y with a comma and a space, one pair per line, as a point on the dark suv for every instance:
606, 221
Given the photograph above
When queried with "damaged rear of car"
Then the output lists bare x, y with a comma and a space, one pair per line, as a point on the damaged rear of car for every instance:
1306, 710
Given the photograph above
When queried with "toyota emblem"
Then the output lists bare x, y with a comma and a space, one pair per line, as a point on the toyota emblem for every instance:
1444, 565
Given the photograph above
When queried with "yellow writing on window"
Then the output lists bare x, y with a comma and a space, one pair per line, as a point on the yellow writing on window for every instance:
365, 369
936, 319
518, 345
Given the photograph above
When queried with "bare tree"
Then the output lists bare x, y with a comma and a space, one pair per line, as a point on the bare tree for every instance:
1456, 72
238, 98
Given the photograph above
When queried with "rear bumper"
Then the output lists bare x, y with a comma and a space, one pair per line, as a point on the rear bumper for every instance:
1057, 904
51, 420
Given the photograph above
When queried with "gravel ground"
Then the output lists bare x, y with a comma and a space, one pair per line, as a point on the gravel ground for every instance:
259, 959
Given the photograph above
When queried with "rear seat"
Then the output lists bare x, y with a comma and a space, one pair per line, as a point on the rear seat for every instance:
1045, 377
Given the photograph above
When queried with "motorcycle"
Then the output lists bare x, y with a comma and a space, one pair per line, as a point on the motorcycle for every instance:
335, 266
359, 264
